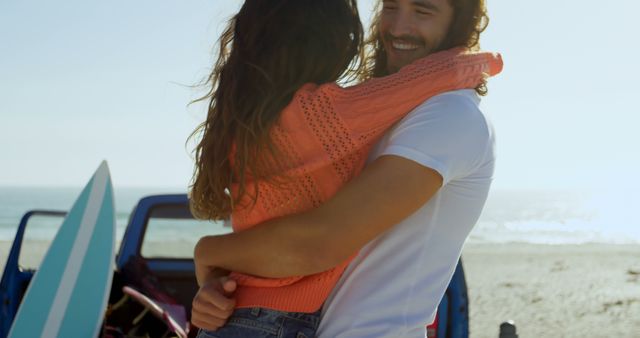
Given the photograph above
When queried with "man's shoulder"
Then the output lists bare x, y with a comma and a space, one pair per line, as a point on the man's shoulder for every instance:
449, 127
463, 101
454, 108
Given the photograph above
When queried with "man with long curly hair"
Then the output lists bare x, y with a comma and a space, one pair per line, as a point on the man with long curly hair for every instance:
408, 213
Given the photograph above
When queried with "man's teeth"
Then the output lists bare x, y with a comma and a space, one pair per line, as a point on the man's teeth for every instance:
404, 45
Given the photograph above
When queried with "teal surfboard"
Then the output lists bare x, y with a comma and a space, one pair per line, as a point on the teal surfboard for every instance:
68, 294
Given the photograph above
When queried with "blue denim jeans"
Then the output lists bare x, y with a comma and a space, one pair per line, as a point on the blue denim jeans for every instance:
266, 323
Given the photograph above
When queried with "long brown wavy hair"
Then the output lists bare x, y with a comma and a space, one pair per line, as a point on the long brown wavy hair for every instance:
470, 19
268, 50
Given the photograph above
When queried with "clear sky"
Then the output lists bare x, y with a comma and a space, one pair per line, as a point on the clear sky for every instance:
82, 81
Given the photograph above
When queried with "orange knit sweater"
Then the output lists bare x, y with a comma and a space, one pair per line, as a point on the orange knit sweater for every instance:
326, 133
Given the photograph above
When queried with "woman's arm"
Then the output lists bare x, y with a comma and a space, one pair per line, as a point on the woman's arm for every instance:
387, 191
374, 105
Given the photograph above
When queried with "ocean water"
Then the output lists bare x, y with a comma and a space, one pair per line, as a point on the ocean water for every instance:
603, 216
542, 217
15, 202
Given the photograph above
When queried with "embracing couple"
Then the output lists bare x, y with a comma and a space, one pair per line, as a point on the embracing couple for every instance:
350, 203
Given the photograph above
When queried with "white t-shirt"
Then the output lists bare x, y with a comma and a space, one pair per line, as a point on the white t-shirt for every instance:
393, 287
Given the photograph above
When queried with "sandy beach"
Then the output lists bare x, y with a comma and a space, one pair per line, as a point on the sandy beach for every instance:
554, 291
549, 291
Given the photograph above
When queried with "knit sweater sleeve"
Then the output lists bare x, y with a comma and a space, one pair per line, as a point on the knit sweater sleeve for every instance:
369, 108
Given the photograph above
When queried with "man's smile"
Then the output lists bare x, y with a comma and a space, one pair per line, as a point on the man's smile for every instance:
403, 45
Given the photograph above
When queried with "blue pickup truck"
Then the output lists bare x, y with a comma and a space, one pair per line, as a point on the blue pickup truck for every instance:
154, 281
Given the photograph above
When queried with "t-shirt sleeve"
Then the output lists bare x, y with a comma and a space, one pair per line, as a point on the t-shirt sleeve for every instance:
448, 134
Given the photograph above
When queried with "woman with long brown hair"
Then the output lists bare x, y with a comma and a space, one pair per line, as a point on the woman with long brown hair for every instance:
282, 137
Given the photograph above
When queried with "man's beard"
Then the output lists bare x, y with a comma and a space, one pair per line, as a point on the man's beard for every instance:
393, 68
